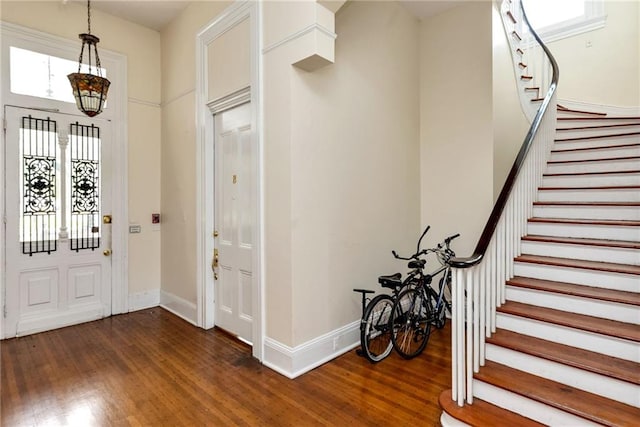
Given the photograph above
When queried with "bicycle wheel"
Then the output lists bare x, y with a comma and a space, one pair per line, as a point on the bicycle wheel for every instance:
411, 322
375, 332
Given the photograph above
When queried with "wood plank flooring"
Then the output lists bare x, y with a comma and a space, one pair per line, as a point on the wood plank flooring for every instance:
151, 368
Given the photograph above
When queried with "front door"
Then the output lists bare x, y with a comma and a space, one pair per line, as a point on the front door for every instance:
234, 221
58, 264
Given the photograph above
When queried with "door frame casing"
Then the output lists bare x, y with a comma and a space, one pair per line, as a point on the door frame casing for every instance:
205, 134
116, 63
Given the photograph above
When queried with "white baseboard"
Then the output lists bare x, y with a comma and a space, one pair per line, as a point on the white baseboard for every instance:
144, 299
293, 362
179, 306
599, 108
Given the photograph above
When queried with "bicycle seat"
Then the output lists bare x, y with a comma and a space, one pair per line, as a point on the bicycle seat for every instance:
392, 281
417, 263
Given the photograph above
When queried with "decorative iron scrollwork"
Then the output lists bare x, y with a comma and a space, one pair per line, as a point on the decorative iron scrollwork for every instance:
39, 154
85, 186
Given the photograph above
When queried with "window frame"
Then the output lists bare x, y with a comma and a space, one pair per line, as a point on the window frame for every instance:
594, 18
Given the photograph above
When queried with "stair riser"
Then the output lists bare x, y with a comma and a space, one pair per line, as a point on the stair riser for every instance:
527, 407
587, 306
602, 385
630, 213
561, 142
604, 136
447, 420
593, 154
578, 276
588, 167
582, 252
609, 232
611, 346
613, 195
591, 180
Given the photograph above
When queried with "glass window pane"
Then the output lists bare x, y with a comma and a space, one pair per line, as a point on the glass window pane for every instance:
43, 76
543, 13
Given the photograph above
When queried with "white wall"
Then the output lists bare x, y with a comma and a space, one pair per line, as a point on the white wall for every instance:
456, 123
606, 72
142, 48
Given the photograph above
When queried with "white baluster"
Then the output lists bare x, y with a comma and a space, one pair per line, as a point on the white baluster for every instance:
469, 334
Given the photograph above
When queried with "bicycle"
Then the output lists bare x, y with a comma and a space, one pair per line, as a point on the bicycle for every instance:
417, 308
375, 326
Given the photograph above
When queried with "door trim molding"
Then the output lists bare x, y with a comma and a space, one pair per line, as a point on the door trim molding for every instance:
236, 13
13, 34
230, 101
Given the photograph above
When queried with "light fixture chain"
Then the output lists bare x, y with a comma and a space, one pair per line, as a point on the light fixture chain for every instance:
80, 58
89, 15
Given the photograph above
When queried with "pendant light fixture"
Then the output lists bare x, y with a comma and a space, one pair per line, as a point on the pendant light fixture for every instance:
90, 90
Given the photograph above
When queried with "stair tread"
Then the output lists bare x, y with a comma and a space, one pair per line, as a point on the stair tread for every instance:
482, 413
604, 159
599, 173
580, 138
612, 295
624, 370
577, 263
583, 322
603, 147
595, 204
610, 222
596, 127
620, 244
600, 118
577, 402
571, 110
601, 187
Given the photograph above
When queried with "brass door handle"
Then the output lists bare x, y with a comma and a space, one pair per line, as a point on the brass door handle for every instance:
106, 252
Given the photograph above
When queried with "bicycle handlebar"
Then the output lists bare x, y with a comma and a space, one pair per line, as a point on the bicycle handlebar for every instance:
442, 248
418, 251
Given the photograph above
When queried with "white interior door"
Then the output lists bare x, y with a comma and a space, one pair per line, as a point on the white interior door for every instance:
234, 221
58, 264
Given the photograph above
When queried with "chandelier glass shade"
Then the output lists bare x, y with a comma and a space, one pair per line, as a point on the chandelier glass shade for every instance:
90, 90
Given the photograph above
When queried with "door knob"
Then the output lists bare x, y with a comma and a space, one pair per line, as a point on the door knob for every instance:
106, 252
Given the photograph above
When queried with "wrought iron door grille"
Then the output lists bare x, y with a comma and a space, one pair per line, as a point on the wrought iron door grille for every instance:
85, 145
38, 151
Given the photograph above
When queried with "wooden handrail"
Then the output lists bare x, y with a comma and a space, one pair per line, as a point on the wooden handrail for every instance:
501, 202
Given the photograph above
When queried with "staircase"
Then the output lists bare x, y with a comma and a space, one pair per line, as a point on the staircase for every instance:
566, 350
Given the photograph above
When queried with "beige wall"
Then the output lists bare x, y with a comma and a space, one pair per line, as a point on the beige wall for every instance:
354, 177
456, 126
178, 148
142, 48
608, 71
510, 125
341, 169
229, 60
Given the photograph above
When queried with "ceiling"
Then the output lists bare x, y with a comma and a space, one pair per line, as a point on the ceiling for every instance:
155, 14
425, 8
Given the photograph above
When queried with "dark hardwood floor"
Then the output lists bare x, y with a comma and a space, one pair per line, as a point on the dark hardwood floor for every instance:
151, 368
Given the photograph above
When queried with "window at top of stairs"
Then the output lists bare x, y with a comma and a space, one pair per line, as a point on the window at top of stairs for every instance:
554, 20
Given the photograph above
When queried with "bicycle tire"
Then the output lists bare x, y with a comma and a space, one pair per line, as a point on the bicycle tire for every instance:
375, 330
411, 323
